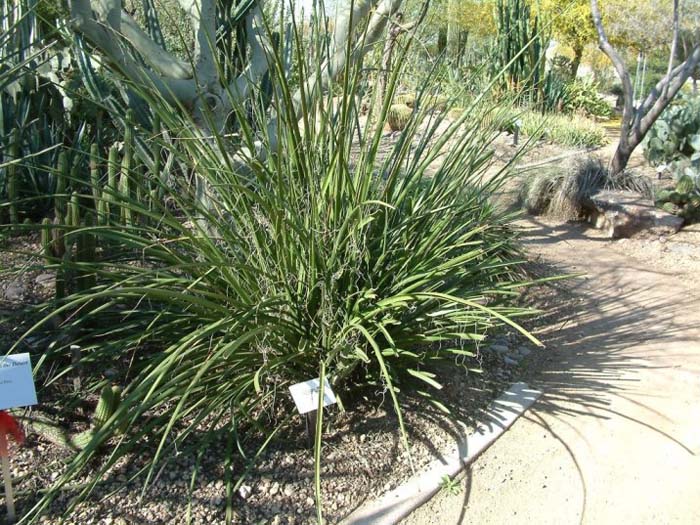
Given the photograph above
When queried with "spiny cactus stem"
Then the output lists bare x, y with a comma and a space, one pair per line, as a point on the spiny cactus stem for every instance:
12, 182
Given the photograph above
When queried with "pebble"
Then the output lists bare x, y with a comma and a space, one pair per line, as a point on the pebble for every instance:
509, 361
245, 491
501, 349
274, 489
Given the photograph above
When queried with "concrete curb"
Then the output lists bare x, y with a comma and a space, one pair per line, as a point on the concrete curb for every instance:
400, 502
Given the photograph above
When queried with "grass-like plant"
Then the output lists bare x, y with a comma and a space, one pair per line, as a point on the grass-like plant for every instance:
567, 130
304, 250
564, 191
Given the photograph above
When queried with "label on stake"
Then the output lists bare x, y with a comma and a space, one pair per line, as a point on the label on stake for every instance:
305, 395
16, 381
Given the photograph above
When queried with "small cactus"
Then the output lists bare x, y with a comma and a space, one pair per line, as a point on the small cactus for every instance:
61, 199
57, 237
107, 405
74, 215
669, 207
95, 173
399, 116
406, 99
439, 103
46, 241
685, 184
456, 113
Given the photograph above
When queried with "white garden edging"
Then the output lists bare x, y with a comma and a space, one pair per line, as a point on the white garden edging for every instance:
400, 502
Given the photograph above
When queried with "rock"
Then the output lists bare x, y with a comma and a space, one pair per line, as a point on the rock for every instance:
245, 491
14, 291
524, 351
625, 214
45, 279
274, 489
288, 490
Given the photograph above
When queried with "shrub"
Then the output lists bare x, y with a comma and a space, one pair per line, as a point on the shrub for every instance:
582, 95
317, 258
563, 191
567, 130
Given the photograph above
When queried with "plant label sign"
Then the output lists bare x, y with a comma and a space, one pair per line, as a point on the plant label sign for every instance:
16, 381
305, 395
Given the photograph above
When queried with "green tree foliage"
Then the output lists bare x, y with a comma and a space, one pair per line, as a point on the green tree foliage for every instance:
572, 25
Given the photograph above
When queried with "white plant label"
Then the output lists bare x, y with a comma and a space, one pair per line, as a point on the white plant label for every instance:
16, 381
305, 395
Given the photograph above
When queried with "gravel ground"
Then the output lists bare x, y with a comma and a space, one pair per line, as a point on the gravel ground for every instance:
363, 455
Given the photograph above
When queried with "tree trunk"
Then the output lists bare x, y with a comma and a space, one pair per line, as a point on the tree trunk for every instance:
576, 62
637, 121
620, 159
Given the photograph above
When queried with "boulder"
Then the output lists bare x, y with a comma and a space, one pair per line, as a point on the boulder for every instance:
626, 214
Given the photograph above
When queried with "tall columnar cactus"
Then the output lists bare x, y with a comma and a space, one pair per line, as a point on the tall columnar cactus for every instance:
86, 252
95, 173
61, 198
110, 195
46, 242
125, 180
12, 182
73, 218
521, 45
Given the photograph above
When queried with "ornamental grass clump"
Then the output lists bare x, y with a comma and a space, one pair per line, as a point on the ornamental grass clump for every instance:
287, 251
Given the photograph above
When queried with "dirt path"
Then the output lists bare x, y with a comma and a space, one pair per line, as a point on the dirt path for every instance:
616, 436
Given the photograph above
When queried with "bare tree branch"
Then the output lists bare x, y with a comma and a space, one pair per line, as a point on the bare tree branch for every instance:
619, 65
107, 38
205, 43
158, 58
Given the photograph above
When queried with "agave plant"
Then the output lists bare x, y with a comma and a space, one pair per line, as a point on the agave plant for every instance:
316, 255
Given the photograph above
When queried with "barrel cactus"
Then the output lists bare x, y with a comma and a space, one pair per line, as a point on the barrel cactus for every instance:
399, 117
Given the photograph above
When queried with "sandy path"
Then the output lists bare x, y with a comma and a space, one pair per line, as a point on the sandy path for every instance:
616, 436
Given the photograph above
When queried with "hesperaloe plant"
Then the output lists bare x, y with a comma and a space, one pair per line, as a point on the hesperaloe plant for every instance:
312, 255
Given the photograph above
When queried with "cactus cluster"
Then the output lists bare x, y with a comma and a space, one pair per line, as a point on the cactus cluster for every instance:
518, 30
399, 116
81, 204
674, 141
675, 135
684, 200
